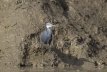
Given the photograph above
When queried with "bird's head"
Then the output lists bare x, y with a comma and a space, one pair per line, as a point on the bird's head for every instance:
48, 25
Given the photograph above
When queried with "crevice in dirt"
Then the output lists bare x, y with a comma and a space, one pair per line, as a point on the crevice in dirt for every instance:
105, 1
25, 48
28, 48
18, 1
64, 5
32, 35
94, 48
47, 9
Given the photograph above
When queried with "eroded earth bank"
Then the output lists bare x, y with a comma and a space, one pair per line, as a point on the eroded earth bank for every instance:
79, 39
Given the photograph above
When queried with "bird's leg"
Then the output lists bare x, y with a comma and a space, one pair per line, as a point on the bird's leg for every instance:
42, 51
49, 46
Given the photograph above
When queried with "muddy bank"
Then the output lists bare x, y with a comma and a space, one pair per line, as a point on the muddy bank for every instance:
80, 38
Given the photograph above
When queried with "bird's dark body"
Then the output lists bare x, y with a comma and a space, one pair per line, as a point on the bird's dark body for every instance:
46, 36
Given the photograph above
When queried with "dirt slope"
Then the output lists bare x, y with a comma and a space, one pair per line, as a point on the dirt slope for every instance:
80, 38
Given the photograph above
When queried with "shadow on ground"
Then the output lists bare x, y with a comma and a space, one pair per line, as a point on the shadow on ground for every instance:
68, 59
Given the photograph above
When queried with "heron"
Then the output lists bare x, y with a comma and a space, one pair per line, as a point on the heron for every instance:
46, 36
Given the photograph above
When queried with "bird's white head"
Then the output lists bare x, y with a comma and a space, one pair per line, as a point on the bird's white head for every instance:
48, 25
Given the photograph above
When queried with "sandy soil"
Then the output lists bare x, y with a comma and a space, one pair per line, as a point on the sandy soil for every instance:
79, 40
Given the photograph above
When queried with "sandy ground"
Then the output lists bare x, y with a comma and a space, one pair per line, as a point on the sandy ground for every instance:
79, 39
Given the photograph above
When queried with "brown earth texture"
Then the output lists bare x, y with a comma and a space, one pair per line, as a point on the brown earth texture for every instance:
79, 38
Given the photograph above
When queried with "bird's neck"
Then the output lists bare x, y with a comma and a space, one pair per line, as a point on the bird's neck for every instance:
48, 29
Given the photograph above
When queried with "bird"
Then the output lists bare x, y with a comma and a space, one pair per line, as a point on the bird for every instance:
46, 36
